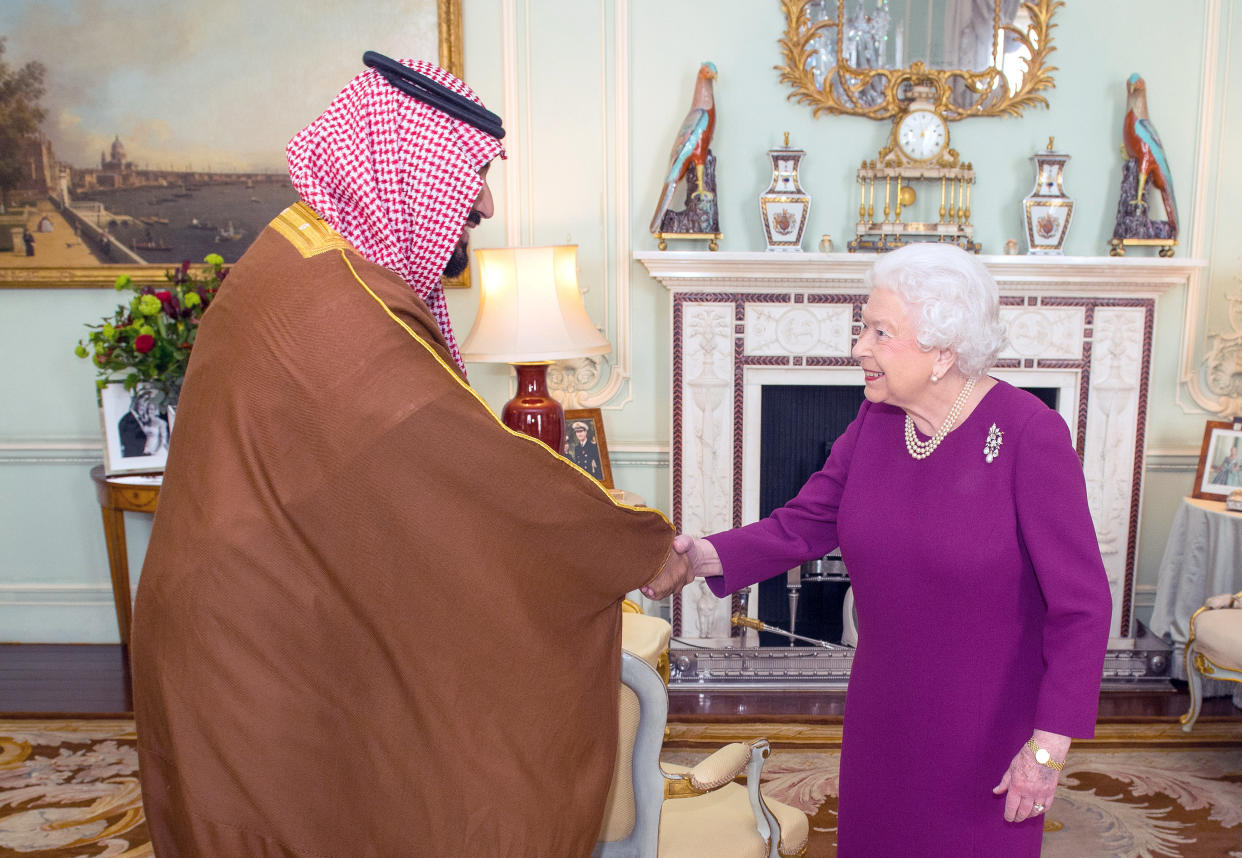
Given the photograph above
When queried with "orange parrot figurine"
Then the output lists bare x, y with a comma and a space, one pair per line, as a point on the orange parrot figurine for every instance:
692, 143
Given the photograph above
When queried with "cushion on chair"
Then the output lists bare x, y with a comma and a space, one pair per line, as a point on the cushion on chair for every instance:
619, 811
795, 826
647, 637
721, 767
720, 824
1218, 635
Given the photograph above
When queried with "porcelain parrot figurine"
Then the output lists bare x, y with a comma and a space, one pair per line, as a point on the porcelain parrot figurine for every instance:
691, 146
1142, 143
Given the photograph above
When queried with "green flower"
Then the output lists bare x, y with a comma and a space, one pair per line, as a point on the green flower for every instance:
124, 281
149, 305
192, 299
108, 332
213, 259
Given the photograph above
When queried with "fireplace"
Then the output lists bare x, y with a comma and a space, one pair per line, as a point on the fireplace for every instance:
1080, 332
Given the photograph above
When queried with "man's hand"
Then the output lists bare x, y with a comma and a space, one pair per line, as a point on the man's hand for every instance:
689, 558
676, 574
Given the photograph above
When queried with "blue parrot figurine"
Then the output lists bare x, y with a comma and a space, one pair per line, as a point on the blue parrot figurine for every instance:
1143, 144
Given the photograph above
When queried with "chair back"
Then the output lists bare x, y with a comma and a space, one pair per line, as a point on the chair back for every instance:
642, 713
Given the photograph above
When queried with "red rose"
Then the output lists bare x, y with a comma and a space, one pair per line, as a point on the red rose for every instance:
143, 343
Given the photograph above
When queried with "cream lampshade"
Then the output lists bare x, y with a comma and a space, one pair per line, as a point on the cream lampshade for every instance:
531, 314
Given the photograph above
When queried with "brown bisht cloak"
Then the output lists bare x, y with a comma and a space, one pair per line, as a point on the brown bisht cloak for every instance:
372, 620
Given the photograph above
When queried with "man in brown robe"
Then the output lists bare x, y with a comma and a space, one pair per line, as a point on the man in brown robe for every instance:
372, 620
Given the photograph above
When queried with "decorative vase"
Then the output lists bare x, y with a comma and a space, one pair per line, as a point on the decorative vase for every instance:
784, 205
1047, 210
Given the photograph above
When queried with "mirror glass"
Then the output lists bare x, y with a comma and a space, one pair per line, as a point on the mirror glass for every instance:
861, 56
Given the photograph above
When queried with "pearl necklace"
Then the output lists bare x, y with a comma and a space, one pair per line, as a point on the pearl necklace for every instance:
922, 449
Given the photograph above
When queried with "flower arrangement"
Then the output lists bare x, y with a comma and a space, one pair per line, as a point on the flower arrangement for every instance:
148, 340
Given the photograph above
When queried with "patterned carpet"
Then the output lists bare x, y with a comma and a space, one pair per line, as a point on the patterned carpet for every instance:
69, 789
1128, 804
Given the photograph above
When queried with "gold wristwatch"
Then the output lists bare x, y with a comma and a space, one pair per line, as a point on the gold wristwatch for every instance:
1042, 756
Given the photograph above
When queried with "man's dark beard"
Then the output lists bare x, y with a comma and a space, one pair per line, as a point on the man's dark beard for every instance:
459, 261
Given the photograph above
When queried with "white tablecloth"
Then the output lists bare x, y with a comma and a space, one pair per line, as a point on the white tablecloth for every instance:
1203, 558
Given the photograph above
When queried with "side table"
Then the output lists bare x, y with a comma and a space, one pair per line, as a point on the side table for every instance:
118, 495
1201, 559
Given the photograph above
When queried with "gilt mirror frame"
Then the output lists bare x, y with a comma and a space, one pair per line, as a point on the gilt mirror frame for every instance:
843, 84
104, 275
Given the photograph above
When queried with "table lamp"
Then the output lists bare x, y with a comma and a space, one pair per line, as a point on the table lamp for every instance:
531, 314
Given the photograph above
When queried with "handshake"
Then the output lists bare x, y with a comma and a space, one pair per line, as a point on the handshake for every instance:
689, 558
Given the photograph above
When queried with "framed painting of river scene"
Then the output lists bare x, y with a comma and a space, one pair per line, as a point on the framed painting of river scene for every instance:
146, 133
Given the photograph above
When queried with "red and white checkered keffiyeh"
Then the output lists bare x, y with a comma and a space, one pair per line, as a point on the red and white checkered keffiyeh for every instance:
396, 177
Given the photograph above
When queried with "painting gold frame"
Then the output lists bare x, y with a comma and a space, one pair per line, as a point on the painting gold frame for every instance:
448, 21
843, 85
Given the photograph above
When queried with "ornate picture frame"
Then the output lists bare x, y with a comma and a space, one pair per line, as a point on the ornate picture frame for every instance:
1220, 460
584, 443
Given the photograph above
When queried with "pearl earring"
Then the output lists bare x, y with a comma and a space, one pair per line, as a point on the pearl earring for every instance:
935, 378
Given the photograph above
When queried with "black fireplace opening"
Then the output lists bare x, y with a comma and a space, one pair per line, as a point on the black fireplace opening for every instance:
798, 425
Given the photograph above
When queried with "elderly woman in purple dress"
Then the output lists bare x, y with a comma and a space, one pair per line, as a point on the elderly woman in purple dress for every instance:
959, 506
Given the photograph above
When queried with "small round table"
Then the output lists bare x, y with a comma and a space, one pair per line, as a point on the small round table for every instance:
118, 495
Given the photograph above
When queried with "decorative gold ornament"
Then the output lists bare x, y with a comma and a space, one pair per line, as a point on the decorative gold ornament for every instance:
880, 93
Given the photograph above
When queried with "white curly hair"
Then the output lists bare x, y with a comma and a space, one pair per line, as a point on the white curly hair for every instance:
953, 297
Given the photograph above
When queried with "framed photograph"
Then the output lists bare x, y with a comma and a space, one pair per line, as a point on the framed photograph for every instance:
1220, 460
149, 143
136, 429
584, 443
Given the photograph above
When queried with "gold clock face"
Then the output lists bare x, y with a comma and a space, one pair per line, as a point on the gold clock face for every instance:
922, 135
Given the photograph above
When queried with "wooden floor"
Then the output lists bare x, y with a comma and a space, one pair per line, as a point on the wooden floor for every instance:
83, 680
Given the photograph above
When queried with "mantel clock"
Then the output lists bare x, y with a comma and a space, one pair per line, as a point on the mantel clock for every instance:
915, 164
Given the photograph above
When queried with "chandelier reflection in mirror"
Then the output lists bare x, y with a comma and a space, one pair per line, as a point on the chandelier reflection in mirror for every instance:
861, 57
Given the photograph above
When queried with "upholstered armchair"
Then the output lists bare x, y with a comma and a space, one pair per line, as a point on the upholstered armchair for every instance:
674, 811
1214, 648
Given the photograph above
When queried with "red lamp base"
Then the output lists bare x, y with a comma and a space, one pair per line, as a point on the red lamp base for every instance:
532, 411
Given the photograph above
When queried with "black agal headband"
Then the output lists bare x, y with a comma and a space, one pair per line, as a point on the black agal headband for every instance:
434, 93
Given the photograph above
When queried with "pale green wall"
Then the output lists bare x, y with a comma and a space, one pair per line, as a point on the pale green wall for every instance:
573, 149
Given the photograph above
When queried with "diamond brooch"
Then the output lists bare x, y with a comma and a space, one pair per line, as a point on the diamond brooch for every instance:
991, 447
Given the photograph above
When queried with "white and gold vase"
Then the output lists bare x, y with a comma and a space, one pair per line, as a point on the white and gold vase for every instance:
1046, 211
784, 205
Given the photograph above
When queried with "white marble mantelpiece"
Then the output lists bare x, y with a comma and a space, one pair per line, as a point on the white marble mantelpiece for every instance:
1083, 325
1131, 275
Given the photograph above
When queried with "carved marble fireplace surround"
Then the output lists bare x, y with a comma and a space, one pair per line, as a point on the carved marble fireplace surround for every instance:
1082, 325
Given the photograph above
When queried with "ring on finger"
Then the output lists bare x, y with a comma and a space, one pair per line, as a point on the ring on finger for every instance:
1037, 807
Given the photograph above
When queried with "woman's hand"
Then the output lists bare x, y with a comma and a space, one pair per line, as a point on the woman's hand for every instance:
702, 555
1030, 786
